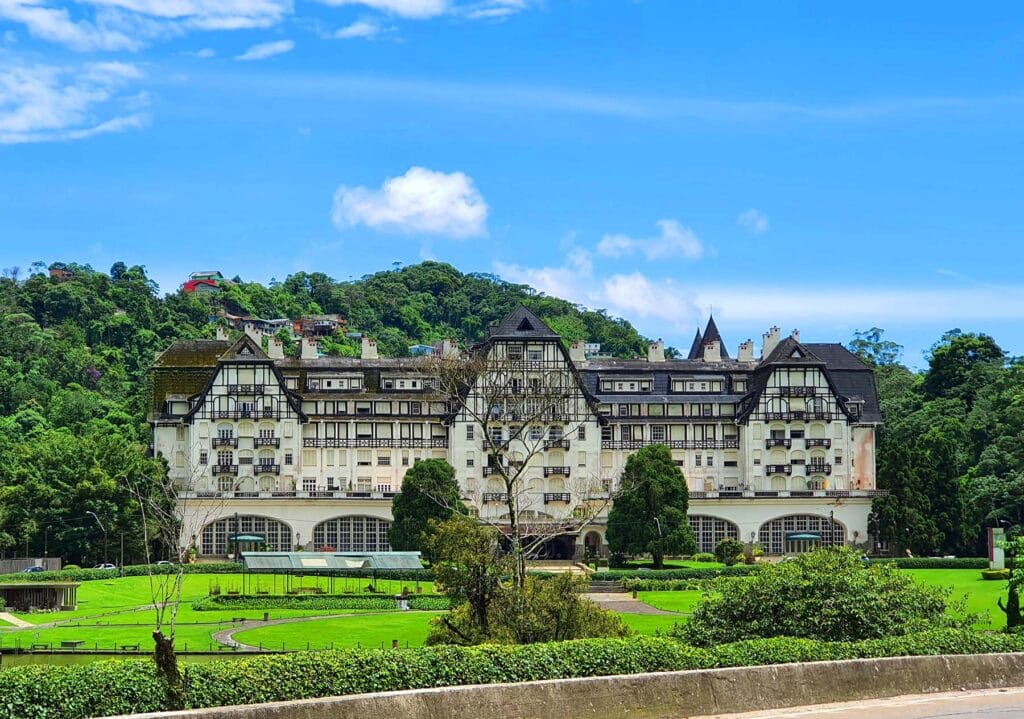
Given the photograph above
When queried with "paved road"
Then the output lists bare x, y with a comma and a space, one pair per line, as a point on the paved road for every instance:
988, 704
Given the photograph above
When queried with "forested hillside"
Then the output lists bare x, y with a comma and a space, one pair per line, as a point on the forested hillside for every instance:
75, 353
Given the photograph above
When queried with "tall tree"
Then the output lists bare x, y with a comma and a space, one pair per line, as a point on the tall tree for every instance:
648, 514
429, 496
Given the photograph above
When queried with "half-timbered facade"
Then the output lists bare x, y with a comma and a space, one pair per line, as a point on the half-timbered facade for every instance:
309, 451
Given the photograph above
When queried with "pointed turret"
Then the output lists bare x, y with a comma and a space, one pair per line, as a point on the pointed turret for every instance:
711, 334
697, 348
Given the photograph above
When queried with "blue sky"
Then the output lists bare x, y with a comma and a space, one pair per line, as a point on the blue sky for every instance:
792, 163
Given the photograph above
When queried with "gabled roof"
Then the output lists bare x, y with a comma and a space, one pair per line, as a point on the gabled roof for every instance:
244, 348
789, 351
697, 348
711, 334
192, 353
521, 323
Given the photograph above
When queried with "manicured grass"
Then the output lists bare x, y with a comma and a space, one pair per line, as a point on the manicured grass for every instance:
650, 623
981, 594
682, 602
366, 631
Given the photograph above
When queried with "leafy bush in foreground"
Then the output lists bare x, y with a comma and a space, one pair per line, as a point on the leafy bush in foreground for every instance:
826, 595
124, 686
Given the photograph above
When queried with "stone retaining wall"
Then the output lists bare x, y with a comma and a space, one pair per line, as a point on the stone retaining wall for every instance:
658, 695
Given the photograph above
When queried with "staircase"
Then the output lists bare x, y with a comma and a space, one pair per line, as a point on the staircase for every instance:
607, 586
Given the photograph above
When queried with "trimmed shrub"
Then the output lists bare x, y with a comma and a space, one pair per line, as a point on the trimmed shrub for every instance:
826, 594
728, 551
664, 585
995, 574
124, 686
296, 601
936, 562
704, 557
429, 603
141, 570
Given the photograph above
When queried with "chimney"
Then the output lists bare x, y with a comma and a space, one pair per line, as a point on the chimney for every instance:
576, 352
275, 348
222, 333
656, 351
254, 333
448, 348
770, 340
713, 351
369, 348
796, 335
310, 348
746, 351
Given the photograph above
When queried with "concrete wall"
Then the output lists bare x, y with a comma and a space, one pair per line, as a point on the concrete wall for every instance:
669, 694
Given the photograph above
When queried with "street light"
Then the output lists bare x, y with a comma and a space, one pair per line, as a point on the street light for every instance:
94, 516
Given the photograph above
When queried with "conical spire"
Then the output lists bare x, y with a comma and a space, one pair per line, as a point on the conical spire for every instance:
711, 334
697, 348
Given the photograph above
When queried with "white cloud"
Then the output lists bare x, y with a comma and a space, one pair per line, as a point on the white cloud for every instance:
44, 103
206, 52
494, 9
411, 9
753, 221
56, 25
420, 201
264, 50
360, 28
675, 241
207, 14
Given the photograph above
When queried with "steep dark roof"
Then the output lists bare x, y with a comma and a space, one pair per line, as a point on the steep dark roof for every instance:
192, 353
852, 377
697, 348
243, 348
711, 334
789, 351
521, 323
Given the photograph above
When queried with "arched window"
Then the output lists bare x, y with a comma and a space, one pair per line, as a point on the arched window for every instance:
216, 535
353, 534
712, 530
798, 533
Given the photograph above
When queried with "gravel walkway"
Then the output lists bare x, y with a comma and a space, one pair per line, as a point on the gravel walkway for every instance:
625, 604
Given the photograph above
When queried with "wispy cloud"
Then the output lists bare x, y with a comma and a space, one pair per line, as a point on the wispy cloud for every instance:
753, 221
421, 201
674, 241
264, 50
42, 103
359, 29
410, 9
54, 24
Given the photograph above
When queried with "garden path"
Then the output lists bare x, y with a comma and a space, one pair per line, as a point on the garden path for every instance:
11, 619
625, 604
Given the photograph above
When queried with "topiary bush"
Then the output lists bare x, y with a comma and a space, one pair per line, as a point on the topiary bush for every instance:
728, 551
704, 557
825, 594
936, 562
995, 574
739, 570
296, 601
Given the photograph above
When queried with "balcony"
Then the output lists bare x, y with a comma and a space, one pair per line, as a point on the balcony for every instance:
819, 468
225, 442
492, 497
489, 470
778, 442
225, 469
267, 441
279, 495
727, 443
826, 443
801, 415
234, 413
267, 468
556, 444
497, 445
797, 391
778, 469
563, 471
550, 497
245, 389
375, 443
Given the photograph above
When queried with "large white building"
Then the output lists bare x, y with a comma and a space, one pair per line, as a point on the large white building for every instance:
309, 451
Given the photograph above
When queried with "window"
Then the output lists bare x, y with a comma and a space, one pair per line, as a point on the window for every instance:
287, 457
309, 484
623, 410
581, 434
469, 431
405, 459
696, 460
606, 434
658, 433
363, 458
839, 458
415, 408
514, 352
384, 460
535, 354
225, 457
202, 457
555, 433
470, 460
225, 433
796, 433
711, 460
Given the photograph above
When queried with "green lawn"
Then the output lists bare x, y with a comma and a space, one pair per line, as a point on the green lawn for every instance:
650, 623
368, 631
682, 602
981, 594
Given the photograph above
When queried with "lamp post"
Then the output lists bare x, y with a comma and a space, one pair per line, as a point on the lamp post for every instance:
94, 516
831, 527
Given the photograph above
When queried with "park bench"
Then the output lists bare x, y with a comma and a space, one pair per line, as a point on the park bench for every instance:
72, 643
129, 647
40, 646
238, 619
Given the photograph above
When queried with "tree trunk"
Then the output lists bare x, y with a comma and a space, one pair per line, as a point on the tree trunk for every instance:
167, 668
658, 560
519, 568
1012, 608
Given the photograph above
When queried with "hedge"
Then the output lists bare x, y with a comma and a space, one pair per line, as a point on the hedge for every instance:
938, 562
691, 573
663, 585
124, 686
142, 570
318, 602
